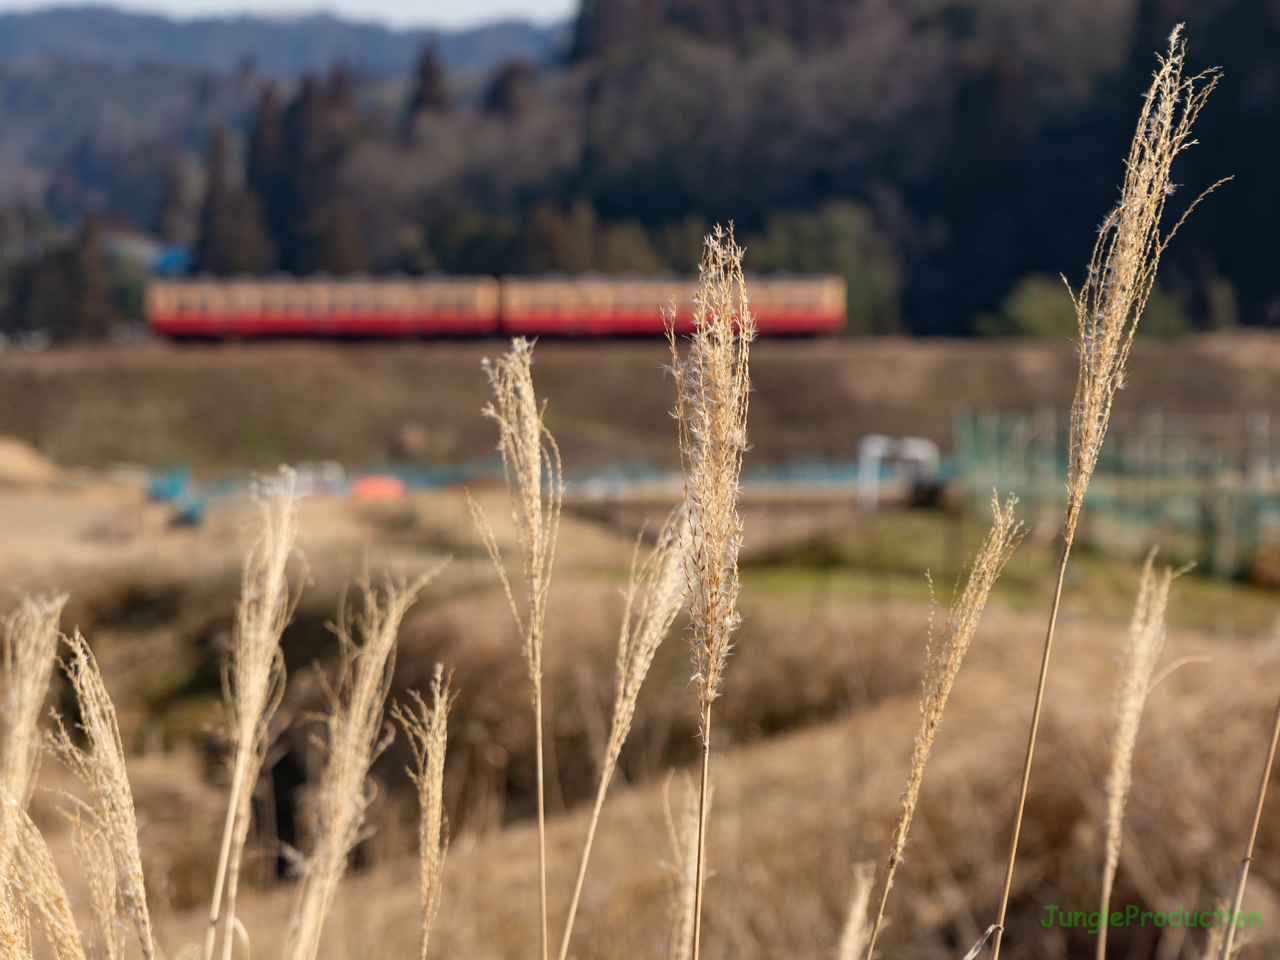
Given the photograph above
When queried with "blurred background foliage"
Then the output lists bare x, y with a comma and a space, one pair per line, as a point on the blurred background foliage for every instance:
948, 158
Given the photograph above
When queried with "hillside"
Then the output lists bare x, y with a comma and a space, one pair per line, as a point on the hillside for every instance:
280, 46
231, 407
946, 159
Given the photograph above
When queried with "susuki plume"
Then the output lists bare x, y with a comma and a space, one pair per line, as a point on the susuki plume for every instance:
529, 453
354, 723
35, 878
942, 666
31, 638
654, 596
853, 940
1125, 258
1146, 641
712, 389
428, 736
682, 833
101, 769
253, 681
1122, 273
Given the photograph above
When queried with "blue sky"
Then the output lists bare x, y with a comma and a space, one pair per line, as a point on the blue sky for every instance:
398, 13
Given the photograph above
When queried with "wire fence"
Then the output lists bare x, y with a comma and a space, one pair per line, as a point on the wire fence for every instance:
1204, 487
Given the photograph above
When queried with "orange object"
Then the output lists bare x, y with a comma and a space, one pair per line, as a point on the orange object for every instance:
378, 486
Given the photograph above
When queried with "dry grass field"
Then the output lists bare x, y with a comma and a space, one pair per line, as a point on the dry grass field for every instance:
814, 731
224, 733
231, 407
816, 727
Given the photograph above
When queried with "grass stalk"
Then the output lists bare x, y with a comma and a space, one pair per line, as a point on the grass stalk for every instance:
854, 937
253, 682
712, 389
355, 739
531, 465
943, 661
654, 596
683, 836
31, 638
93, 852
1237, 897
15, 924
1122, 273
30, 652
428, 734
34, 878
1146, 641
1214, 942
101, 768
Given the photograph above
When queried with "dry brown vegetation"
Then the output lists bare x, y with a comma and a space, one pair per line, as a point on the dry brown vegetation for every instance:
812, 664
817, 725
232, 407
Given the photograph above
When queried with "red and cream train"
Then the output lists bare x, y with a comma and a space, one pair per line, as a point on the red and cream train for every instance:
473, 306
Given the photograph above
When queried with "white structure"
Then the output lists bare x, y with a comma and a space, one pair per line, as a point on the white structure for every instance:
916, 459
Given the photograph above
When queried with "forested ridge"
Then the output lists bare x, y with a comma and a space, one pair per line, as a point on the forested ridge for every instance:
950, 159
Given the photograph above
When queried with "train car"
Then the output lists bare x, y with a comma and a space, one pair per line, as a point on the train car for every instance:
593, 306
215, 308
474, 306
607, 306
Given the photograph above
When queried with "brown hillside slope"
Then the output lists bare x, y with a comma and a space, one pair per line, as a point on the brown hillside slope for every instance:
236, 406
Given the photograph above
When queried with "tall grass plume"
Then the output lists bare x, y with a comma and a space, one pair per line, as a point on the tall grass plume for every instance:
655, 593
93, 852
33, 879
712, 390
1122, 273
428, 732
355, 739
531, 465
682, 834
1242, 878
855, 936
1146, 641
942, 666
31, 638
253, 683
101, 768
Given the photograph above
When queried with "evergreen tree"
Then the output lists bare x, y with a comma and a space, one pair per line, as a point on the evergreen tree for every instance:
65, 294
264, 175
174, 220
93, 313
232, 234
512, 91
430, 92
318, 230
